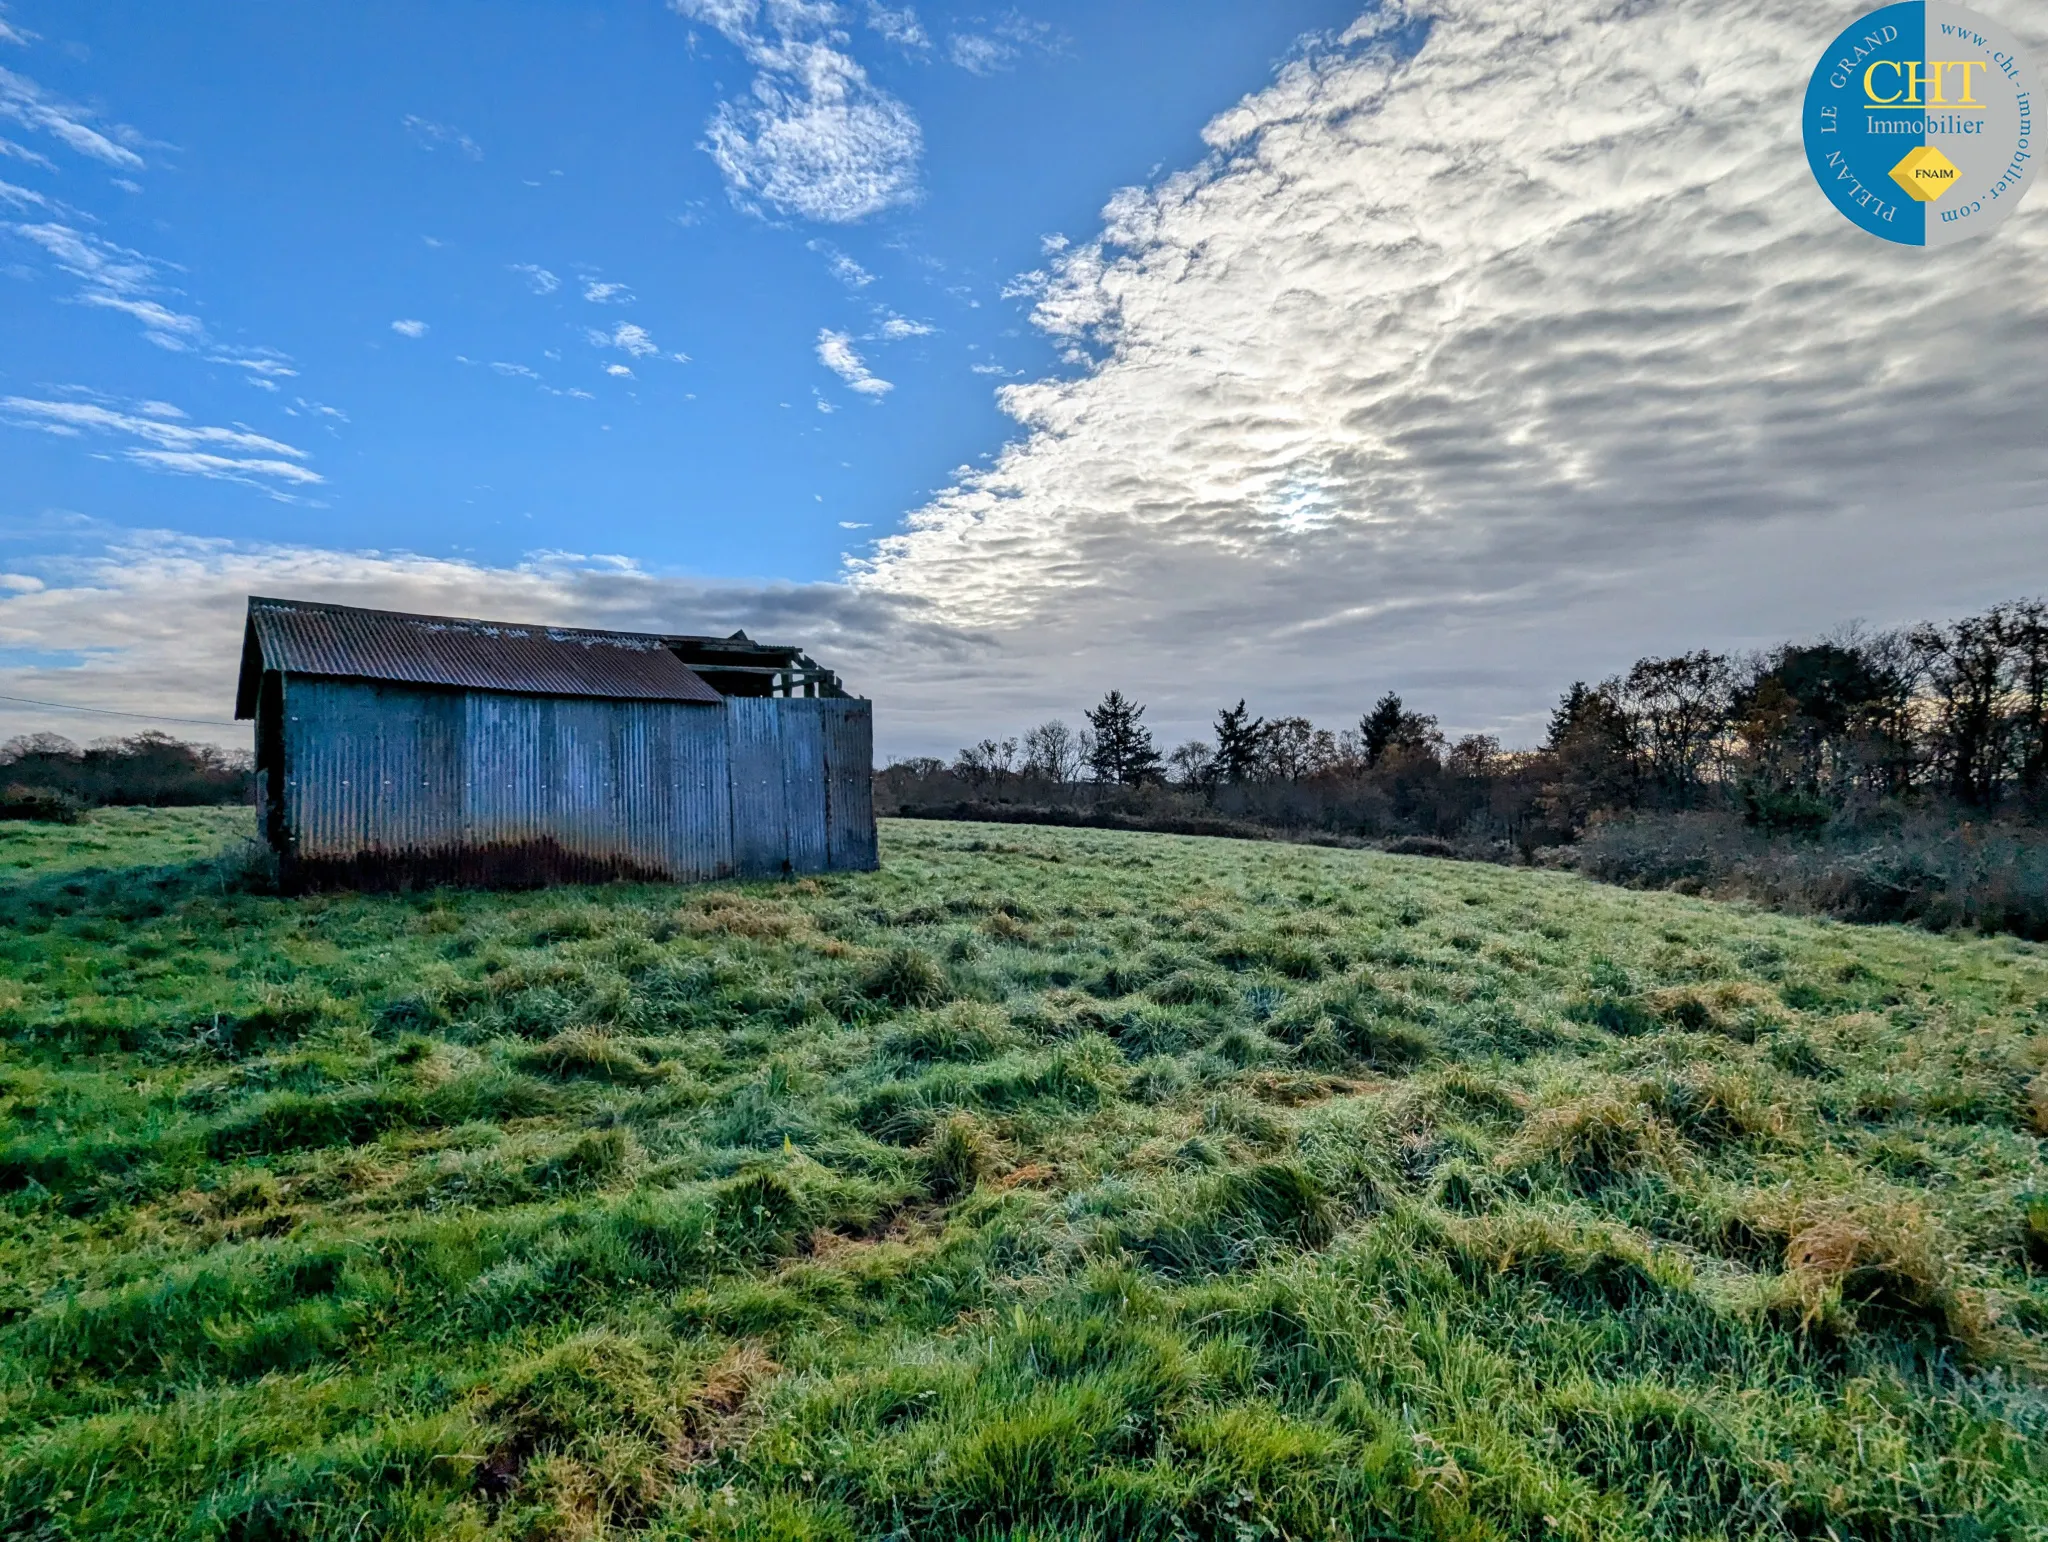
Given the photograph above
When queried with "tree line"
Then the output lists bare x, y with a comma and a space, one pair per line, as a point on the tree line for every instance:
1792, 738
146, 768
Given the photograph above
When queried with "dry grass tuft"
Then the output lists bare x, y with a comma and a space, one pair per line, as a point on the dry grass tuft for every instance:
717, 1415
1882, 1268
741, 915
2037, 1104
1594, 1140
1734, 1007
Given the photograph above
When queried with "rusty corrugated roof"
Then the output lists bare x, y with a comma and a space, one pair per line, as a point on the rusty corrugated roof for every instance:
343, 642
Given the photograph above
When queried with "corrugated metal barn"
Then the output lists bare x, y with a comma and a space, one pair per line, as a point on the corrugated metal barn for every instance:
394, 749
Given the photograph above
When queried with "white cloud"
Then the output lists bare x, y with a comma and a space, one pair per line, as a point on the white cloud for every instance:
429, 135
814, 137
1477, 401
163, 439
843, 267
266, 363
161, 325
21, 197
606, 294
115, 279
897, 328
627, 338
26, 103
979, 55
619, 371
409, 328
999, 48
898, 25
21, 152
538, 279
835, 352
515, 371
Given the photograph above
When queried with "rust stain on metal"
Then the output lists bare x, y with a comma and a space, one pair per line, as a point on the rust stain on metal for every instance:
525, 865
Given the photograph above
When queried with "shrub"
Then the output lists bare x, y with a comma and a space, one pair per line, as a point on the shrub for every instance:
1419, 846
1930, 870
42, 804
148, 768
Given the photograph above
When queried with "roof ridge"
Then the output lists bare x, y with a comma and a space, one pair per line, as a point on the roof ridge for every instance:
271, 602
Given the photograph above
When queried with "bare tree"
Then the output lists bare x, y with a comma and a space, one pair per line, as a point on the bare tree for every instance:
1052, 751
1193, 765
984, 762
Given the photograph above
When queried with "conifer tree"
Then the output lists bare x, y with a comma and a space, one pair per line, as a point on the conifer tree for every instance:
1123, 751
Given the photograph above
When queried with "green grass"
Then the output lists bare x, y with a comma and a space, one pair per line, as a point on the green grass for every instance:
123, 837
1046, 1184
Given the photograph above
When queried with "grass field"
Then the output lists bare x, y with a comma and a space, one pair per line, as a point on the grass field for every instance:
1046, 1184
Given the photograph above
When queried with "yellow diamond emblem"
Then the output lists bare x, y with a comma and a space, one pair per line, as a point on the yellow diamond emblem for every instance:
1925, 173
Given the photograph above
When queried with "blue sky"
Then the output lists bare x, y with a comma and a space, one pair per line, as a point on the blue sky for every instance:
519, 178
1294, 351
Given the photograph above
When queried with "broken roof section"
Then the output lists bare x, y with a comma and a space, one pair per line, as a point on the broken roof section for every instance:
345, 643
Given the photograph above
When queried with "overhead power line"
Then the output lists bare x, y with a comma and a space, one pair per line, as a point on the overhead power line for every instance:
146, 717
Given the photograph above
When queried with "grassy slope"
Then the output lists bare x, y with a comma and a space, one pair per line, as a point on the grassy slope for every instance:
1043, 1184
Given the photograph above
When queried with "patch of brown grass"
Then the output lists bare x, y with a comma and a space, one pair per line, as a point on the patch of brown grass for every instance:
741, 915
1851, 1267
1005, 927
720, 1413
1734, 1007
1030, 1175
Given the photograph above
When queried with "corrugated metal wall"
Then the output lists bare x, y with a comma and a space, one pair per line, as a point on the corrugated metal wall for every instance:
848, 728
393, 782
760, 812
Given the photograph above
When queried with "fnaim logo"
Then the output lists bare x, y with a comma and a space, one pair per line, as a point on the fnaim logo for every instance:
1920, 123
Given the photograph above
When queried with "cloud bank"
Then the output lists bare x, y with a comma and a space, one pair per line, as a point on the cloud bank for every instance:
1462, 368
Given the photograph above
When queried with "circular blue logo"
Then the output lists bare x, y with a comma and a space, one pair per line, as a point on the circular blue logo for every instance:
1921, 123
